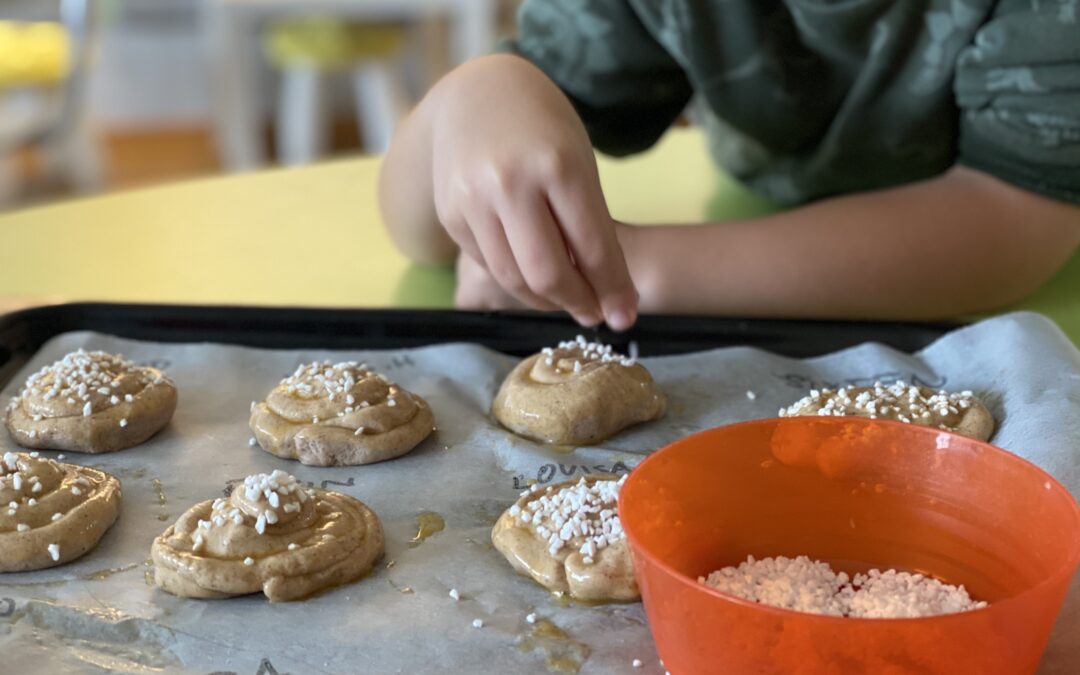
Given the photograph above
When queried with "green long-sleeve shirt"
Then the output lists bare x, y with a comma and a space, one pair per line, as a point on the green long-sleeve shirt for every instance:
803, 99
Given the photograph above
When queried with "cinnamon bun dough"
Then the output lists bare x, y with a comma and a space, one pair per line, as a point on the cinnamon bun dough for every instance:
328, 414
91, 402
55, 513
271, 535
568, 538
959, 412
578, 393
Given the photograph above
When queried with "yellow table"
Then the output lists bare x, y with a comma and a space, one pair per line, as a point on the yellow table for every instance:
312, 236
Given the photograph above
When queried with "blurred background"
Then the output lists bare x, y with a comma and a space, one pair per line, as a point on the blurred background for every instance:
100, 95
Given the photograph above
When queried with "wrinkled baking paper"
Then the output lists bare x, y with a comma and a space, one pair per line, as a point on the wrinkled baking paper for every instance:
101, 612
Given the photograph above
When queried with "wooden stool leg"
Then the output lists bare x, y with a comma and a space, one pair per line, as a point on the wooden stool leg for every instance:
381, 101
75, 158
303, 116
10, 181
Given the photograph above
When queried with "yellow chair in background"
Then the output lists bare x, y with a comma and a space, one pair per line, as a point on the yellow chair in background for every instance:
42, 83
308, 53
33, 54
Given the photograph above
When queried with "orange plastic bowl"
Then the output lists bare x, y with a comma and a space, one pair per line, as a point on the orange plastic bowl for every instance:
856, 493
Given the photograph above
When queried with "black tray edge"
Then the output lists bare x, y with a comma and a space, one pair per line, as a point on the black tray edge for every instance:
515, 333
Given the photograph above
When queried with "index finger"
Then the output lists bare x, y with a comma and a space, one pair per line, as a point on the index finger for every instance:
583, 217
544, 259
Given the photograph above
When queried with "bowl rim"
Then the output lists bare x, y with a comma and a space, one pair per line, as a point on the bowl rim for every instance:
784, 613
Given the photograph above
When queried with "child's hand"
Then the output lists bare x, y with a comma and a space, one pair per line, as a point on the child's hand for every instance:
515, 185
476, 289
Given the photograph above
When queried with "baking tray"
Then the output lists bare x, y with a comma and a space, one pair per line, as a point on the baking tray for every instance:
514, 333
473, 454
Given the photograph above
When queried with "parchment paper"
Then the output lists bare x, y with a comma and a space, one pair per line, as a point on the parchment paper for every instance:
99, 613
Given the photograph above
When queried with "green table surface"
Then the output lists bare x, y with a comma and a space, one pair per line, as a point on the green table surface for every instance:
312, 236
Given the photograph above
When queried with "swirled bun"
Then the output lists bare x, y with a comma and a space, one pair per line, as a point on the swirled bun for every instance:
91, 402
960, 412
568, 538
336, 414
271, 535
576, 394
55, 512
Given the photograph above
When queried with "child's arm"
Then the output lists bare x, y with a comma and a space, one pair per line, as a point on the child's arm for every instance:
498, 156
957, 243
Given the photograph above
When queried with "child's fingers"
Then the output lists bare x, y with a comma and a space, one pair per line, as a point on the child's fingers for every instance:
590, 234
459, 231
542, 256
476, 289
500, 261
